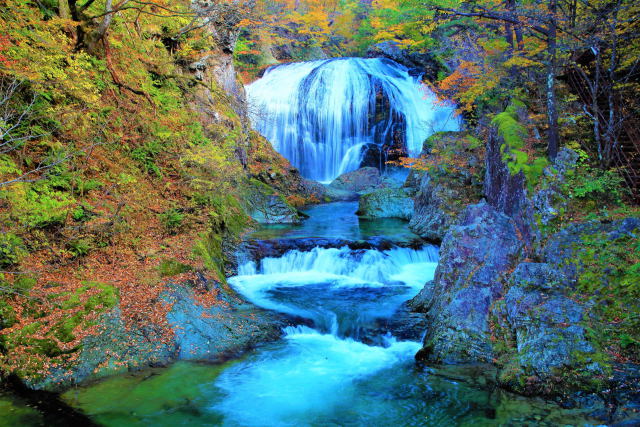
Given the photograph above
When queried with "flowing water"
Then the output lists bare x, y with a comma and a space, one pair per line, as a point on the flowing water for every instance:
343, 369
344, 366
323, 115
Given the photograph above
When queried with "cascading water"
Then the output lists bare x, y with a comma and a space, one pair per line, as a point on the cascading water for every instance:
345, 370
299, 283
317, 370
323, 116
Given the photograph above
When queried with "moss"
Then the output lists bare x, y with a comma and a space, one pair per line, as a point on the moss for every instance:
609, 275
513, 149
171, 267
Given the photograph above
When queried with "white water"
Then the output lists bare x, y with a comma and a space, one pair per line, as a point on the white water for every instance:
316, 372
313, 374
321, 114
336, 268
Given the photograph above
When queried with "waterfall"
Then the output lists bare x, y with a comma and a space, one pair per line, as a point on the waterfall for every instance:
325, 116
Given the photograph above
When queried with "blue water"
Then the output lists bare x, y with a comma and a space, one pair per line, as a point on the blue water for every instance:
345, 369
338, 220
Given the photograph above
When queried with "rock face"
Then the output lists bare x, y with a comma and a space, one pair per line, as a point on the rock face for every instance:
199, 333
386, 203
544, 329
360, 180
219, 332
435, 210
549, 200
562, 247
507, 192
443, 192
268, 207
273, 209
418, 63
474, 259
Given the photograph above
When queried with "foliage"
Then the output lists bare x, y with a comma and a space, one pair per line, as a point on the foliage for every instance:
171, 219
609, 275
171, 267
12, 250
596, 185
79, 247
110, 145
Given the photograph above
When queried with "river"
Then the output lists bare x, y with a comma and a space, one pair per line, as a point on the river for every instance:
343, 369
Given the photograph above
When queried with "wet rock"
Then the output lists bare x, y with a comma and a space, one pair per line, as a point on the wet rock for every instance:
360, 180
221, 331
405, 324
421, 303
213, 333
272, 248
339, 195
313, 189
475, 256
386, 203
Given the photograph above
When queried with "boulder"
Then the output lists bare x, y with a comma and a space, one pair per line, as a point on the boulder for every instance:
273, 209
445, 189
475, 257
198, 332
266, 206
563, 248
542, 331
360, 180
338, 195
386, 203
218, 332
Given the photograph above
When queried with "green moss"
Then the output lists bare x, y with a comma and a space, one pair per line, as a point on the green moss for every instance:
514, 133
171, 267
609, 276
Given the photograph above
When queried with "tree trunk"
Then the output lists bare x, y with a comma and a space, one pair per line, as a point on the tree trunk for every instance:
552, 107
63, 9
106, 21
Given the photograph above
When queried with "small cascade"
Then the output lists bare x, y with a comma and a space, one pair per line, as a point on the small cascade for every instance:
315, 371
327, 116
324, 284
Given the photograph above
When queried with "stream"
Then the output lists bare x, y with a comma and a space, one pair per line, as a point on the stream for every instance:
344, 364
343, 370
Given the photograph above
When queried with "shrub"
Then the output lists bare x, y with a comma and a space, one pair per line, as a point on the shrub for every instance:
171, 219
79, 247
597, 185
146, 155
12, 250
82, 213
